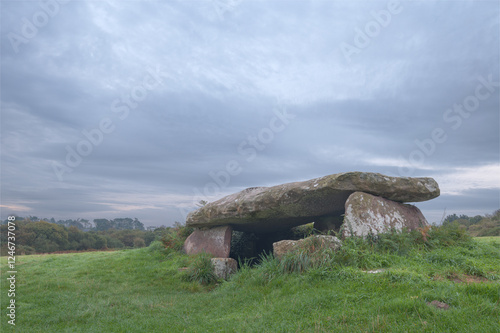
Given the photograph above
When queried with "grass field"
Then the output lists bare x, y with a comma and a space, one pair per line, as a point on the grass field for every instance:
143, 291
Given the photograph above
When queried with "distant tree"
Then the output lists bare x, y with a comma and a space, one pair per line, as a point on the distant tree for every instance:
75, 237
103, 224
48, 236
138, 225
139, 242
149, 237
450, 218
123, 223
114, 243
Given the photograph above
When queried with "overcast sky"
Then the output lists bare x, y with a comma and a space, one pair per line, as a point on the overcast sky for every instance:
142, 108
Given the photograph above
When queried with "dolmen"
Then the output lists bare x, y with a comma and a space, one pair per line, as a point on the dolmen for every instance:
357, 203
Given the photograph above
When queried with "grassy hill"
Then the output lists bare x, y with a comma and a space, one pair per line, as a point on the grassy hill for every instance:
143, 290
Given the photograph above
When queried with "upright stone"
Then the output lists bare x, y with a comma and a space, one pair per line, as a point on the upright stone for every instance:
224, 267
216, 241
368, 214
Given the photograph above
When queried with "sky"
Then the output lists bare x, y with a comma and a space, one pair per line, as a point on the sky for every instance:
143, 108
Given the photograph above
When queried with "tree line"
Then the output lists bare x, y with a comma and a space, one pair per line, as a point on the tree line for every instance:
33, 235
477, 226
126, 223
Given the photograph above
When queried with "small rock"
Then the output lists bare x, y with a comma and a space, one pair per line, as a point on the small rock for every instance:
224, 267
282, 247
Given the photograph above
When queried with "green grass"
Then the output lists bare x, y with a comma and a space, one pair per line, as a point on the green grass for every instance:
495, 239
143, 291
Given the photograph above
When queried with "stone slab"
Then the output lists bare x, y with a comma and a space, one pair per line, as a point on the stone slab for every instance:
368, 214
216, 241
268, 209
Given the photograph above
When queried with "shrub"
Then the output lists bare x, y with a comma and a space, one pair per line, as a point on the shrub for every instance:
201, 270
156, 246
313, 252
174, 238
448, 235
139, 242
114, 243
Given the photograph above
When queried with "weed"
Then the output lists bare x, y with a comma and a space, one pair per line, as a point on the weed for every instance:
201, 270
175, 237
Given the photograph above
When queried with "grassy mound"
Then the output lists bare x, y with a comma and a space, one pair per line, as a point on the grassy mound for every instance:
146, 290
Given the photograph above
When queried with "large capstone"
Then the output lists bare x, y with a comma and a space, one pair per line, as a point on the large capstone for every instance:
370, 215
281, 207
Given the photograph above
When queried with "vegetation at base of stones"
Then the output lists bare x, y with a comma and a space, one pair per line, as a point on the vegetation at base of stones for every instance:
361, 252
141, 290
477, 226
201, 270
173, 238
375, 251
45, 237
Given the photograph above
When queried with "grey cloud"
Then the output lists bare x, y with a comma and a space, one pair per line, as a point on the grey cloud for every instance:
222, 75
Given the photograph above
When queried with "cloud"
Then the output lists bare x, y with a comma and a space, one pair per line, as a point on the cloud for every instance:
459, 181
225, 67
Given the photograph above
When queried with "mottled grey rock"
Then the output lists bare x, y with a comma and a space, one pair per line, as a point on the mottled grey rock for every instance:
267, 209
216, 241
368, 214
282, 247
224, 267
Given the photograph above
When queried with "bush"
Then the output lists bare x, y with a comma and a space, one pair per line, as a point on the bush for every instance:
174, 238
201, 270
156, 246
312, 253
114, 243
448, 235
139, 242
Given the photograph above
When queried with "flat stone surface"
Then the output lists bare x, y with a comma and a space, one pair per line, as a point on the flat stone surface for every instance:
368, 214
224, 267
216, 241
268, 209
283, 247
